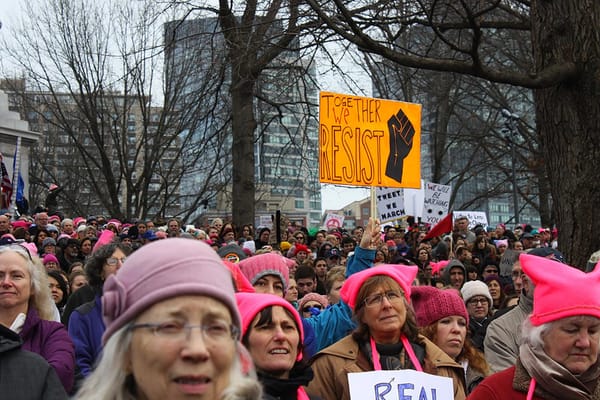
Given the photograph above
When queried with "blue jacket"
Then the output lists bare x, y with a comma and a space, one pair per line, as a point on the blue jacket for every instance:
336, 322
86, 328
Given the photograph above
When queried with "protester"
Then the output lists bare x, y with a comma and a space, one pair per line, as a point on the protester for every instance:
272, 332
442, 318
479, 302
386, 337
558, 357
59, 289
172, 325
26, 307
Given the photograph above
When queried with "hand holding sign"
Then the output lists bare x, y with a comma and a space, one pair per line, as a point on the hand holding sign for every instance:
401, 141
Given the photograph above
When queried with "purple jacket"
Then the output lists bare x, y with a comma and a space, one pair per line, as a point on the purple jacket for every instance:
51, 340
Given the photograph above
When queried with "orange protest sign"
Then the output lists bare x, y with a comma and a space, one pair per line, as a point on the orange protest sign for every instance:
366, 141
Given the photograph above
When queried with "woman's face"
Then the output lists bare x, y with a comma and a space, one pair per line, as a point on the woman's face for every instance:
41, 236
196, 365
269, 284
55, 290
481, 244
423, 255
573, 342
86, 247
450, 335
385, 318
334, 294
321, 268
78, 282
15, 282
113, 263
495, 289
291, 293
274, 346
518, 246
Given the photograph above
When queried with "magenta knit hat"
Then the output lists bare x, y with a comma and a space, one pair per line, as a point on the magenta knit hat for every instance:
48, 258
432, 304
560, 290
256, 267
403, 274
251, 304
162, 270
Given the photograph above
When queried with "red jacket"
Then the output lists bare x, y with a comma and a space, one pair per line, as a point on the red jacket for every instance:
499, 386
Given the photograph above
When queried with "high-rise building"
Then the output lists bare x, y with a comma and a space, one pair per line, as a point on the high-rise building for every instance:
285, 106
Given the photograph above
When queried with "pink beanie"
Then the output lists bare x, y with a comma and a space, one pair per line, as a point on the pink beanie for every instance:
256, 267
560, 290
404, 275
319, 298
105, 238
31, 247
437, 266
162, 270
250, 304
48, 258
432, 304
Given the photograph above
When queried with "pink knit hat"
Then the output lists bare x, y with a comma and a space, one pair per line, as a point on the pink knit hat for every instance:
319, 298
403, 274
256, 267
432, 304
162, 270
250, 304
560, 290
49, 258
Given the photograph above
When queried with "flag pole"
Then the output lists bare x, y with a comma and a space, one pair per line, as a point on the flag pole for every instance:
373, 203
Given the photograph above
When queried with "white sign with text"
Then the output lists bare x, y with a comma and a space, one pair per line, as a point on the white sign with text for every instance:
405, 384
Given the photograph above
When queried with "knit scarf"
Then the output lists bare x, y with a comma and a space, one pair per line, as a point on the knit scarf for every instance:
554, 382
291, 388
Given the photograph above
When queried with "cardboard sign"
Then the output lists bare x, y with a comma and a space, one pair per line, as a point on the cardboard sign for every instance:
334, 221
436, 202
367, 141
399, 385
390, 204
475, 218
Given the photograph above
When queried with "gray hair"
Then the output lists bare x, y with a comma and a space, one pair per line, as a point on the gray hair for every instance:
111, 381
534, 335
40, 298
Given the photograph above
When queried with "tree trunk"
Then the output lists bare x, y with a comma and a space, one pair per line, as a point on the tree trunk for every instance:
568, 122
243, 126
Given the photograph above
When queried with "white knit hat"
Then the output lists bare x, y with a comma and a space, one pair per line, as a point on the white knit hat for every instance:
476, 288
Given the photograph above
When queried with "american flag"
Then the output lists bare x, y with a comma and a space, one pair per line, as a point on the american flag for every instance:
7, 187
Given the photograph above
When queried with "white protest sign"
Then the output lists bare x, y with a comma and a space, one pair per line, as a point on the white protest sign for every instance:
413, 201
475, 218
390, 203
404, 384
265, 221
334, 221
436, 202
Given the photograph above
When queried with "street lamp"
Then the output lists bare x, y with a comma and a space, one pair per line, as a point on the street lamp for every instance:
510, 130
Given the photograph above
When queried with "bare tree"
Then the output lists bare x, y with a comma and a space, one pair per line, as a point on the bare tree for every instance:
92, 80
561, 69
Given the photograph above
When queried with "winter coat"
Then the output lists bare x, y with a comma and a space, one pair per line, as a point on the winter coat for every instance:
86, 328
503, 336
332, 365
25, 375
51, 340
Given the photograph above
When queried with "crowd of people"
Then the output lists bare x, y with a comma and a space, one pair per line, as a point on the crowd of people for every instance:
96, 308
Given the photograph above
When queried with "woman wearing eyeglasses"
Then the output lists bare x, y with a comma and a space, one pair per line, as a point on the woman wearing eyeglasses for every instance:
172, 329
386, 337
27, 308
85, 322
272, 332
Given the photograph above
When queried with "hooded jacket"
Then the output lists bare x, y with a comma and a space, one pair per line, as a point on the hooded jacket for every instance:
25, 375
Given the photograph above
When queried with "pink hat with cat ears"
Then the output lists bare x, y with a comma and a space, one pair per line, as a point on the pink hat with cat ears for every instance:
560, 290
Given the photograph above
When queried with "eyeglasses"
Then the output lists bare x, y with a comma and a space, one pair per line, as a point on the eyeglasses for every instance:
114, 260
214, 332
475, 301
19, 249
375, 300
299, 237
309, 308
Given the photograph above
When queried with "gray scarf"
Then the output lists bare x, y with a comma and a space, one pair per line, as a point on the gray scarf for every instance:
554, 382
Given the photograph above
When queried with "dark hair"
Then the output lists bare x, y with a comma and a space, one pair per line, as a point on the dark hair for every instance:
362, 333
95, 264
305, 271
62, 284
266, 318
